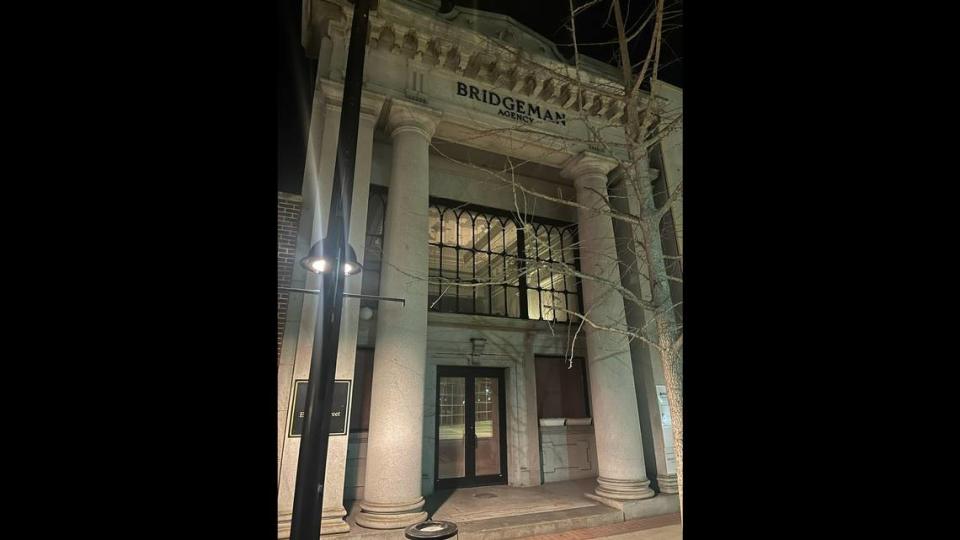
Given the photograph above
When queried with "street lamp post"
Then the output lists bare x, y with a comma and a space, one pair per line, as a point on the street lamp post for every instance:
333, 259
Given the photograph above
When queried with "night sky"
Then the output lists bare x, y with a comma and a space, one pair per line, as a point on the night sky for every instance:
296, 73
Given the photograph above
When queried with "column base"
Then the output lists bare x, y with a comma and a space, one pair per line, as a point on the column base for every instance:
668, 483
623, 490
636, 509
332, 521
390, 516
283, 526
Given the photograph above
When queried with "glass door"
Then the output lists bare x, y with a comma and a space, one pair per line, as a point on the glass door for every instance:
471, 419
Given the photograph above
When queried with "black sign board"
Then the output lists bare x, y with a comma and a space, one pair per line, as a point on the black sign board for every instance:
339, 410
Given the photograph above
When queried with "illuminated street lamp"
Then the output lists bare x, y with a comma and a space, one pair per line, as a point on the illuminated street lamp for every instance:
317, 262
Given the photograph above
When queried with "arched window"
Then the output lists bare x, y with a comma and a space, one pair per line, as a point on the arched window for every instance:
481, 263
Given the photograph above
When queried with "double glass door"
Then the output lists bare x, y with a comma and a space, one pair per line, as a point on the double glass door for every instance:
471, 420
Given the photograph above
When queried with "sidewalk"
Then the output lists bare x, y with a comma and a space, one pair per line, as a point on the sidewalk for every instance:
654, 528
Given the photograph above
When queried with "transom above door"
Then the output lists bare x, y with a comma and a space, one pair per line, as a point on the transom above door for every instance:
471, 447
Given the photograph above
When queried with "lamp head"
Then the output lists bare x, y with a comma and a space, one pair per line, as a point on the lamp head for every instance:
318, 262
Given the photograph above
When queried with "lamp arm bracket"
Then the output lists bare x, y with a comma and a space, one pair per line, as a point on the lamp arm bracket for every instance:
347, 295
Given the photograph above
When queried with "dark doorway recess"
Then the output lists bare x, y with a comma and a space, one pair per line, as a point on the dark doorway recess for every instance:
471, 443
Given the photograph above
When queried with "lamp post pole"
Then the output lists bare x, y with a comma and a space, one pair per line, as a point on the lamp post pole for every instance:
312, 461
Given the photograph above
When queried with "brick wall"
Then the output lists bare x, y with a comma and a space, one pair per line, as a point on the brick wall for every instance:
288, 224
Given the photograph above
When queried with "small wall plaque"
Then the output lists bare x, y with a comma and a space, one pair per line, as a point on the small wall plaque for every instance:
339, 410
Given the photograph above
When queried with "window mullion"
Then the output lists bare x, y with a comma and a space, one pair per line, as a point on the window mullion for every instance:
521, 272
489, 267
456, 253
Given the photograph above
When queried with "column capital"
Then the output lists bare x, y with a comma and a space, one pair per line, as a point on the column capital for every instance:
408, 116
617, 175
620, 173
331, 93
587, 164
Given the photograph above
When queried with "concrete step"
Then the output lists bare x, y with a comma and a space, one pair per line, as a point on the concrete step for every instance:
526, 525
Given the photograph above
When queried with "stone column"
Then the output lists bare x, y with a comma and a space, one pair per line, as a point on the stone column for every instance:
333, 510
392, 495
323, 123
317, 191
647, 365
613, 395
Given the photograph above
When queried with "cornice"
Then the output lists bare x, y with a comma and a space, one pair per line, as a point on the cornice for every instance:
437, 43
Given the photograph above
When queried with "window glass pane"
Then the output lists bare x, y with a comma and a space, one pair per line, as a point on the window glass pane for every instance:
482, 299
555, 251
530, 245
482, 266
510, 238
513, 274
433, 260
451, 461
536, 275
465, 299
513, 302
533, 304
546, 279
448, 297
448, 263
497, 275
496, 236
498, 305
466, 266
466, 231
434, 226
543, 244
560, 305
568, 247
559, 281
573, 304
546, 305
487, 426
449, 232
433, 292
481, 233
571, 281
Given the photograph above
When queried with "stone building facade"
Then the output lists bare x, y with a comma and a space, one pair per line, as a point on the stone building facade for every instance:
483, 375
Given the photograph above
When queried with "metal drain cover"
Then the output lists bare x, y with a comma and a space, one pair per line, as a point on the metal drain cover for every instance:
485, 495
